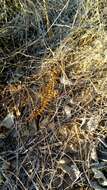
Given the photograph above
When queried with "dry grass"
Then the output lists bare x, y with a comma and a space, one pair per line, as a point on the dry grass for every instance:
65, 96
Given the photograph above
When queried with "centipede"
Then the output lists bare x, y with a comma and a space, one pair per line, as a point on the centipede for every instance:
49, 93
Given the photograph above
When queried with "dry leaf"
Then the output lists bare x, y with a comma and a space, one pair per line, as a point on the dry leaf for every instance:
92, 124
8, 121
99, 176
